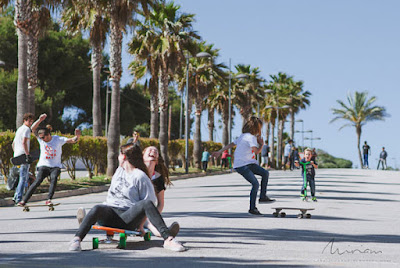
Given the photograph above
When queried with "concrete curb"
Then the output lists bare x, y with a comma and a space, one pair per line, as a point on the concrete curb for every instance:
8, 202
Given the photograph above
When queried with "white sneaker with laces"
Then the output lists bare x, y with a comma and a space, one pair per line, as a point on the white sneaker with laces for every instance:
174, 245
80, 214
75, 244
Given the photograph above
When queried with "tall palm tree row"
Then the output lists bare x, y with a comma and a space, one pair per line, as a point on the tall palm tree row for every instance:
90, 16
163, 38
358, 111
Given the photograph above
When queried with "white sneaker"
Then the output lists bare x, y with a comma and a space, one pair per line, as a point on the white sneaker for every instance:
174, 245
80, 214
75, 244
174, 229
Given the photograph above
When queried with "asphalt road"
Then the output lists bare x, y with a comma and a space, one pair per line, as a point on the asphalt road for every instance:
354, 224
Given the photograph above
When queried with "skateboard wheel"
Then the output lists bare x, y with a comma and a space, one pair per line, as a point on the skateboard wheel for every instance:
26, 209
95, 242
308, 215
51, 208
283, 214
147, 236
300, 216
122, 241
275, 214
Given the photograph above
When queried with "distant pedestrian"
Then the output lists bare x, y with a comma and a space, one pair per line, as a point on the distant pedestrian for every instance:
314, 155
264, 155
382, 159
286, 154
366, 152
224, 159
135, 138
294, 156
204, 159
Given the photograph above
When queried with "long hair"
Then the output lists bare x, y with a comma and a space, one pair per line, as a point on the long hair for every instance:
163, 170
134, 156
252, 126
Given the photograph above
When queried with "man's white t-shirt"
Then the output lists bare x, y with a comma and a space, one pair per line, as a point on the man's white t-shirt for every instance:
50, 152
288, 149
22, 132
127, 189
244, 155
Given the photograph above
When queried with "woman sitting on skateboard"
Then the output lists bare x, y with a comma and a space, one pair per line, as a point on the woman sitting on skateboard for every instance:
130, 200
158, 173
50, 159
249, 144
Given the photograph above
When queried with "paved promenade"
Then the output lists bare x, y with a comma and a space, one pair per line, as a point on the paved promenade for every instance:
354, 224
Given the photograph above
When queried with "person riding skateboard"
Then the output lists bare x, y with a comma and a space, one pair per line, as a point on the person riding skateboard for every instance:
50, 158
308, 166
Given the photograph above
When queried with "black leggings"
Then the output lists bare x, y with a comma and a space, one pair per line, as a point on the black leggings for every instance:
43, 172
123, 219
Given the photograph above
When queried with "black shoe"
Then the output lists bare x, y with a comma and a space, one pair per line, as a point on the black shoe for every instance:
255, 211
266, 200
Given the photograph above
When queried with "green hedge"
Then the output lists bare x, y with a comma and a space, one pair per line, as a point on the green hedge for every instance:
93, 152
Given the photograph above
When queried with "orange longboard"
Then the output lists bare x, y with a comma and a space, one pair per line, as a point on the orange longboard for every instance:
123, 234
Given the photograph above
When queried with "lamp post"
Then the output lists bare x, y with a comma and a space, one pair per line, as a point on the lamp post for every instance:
187, 119
107, 92
277, 128
239, 76
312, 139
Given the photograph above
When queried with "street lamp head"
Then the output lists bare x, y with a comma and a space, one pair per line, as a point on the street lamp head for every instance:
203, 55
300, 120
269, 107
284, 107
240, 76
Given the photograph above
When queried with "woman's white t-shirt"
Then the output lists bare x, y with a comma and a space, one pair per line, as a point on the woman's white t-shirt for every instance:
126, 189
50, 152
244, 155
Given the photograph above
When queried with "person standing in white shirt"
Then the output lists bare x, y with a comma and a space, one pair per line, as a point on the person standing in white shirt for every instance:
249, 144
50, 159
21, 144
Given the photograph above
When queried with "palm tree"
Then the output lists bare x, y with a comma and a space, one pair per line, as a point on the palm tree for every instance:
298, 100
82, 15
204, 73
146, 62
357, 112
248, 92
40, 21
170, 32
121, 13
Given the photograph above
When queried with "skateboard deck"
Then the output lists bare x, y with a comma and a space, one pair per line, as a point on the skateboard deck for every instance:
51, 207
21, 159
123, 234
303, 212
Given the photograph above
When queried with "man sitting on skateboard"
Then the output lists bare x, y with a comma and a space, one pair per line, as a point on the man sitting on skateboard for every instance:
50, 158
308, 173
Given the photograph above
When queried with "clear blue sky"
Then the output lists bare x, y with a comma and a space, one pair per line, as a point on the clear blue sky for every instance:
334, 46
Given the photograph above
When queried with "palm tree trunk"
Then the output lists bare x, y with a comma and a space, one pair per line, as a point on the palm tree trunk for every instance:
32, 69
273, 143
163, 103
211, 124
21, 19
197, 134
358, 130
116, 72
153, 108
280, 133
292, 124
96, 108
